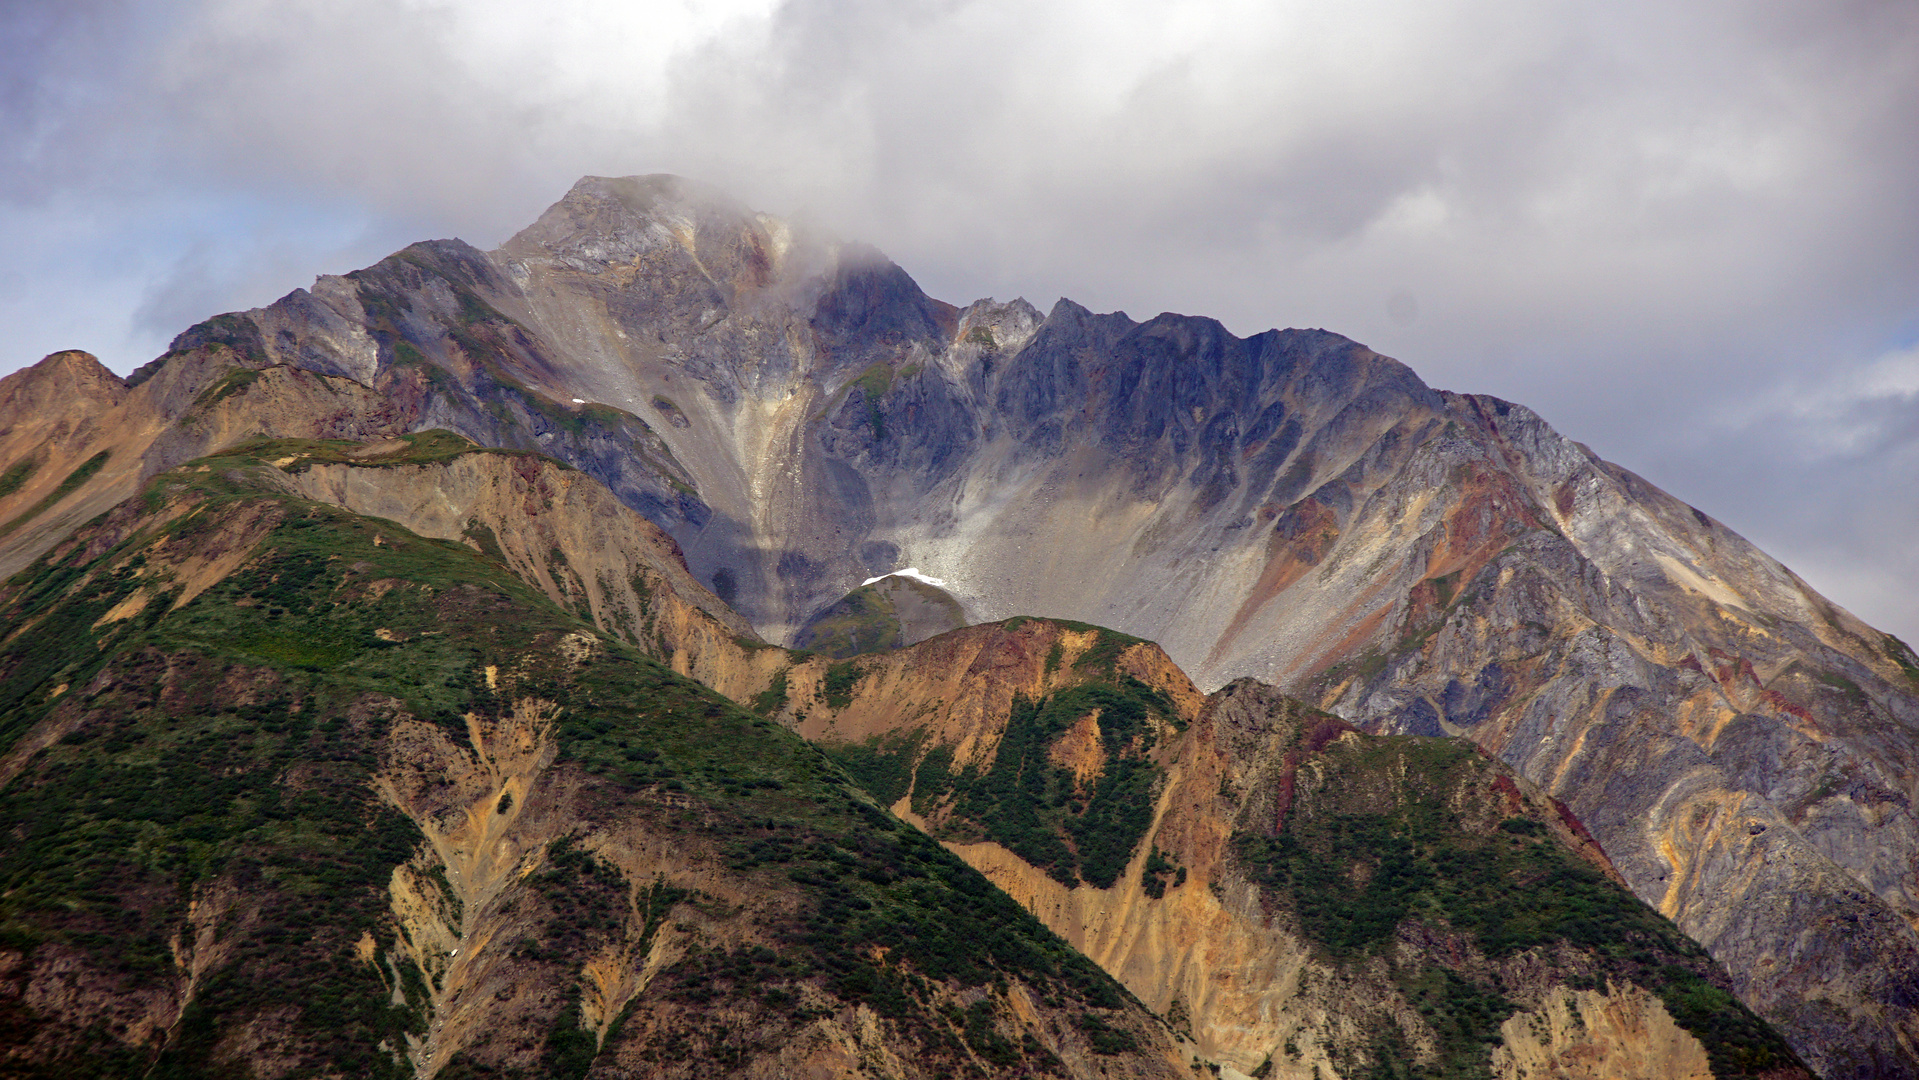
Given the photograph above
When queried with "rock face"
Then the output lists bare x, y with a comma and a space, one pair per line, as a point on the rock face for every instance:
1296, 897
290, 790
798, 416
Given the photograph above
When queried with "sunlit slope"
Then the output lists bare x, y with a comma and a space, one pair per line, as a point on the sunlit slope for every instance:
290, 789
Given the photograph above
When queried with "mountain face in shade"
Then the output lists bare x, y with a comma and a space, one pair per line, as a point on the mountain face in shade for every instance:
797, 416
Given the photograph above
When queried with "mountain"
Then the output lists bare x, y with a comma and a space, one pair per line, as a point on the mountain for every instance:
296, 791
799, 417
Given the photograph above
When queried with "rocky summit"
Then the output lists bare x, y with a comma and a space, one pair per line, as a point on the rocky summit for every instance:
422, 639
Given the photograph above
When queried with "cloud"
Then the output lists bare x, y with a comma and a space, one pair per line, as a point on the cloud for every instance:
1652, 222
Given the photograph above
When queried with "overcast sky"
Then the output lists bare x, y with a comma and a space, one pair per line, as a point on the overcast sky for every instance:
1687, 234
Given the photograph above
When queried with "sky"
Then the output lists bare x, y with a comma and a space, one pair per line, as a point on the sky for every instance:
1686, 234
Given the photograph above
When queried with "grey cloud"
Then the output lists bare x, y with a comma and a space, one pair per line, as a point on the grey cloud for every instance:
1638, 218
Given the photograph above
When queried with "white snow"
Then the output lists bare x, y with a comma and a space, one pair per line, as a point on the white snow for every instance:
912, 572
579, 401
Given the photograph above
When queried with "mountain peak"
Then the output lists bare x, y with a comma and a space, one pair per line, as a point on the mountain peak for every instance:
60, 379
607, 220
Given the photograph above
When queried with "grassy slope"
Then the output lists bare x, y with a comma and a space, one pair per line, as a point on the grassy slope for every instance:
231, 744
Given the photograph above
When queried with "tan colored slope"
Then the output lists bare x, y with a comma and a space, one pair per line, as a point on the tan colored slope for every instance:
69, 408
959, 687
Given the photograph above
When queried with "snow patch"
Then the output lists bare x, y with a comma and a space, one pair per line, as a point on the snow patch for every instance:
912, 572
579, 401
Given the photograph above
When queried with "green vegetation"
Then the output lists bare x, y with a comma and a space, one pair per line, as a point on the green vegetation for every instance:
1384, 839
233, 382
17, 474
67, 487
883, 765
874, 382
1100, 660
773, 698
416, 448
1104, 1039
932, 779
1899, 653
233, 331
1160, 872
1040, 813
836, 686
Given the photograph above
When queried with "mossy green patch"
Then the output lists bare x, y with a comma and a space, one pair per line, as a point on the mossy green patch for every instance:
1040, 812
233, 382
873, 383
836, 685
68, 486
863, 621
18, 474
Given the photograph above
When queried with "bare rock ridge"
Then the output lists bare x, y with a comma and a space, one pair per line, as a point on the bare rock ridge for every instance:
798, 416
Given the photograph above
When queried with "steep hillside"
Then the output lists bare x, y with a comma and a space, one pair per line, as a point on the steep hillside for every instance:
294, 791
555, 528
798, 416
1299, 898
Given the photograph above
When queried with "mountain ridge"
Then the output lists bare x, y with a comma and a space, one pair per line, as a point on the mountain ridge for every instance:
798, 416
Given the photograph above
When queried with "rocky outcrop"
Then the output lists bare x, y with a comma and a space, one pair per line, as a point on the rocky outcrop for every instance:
1596, 1035
1740, 746
81, 440
557, 530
